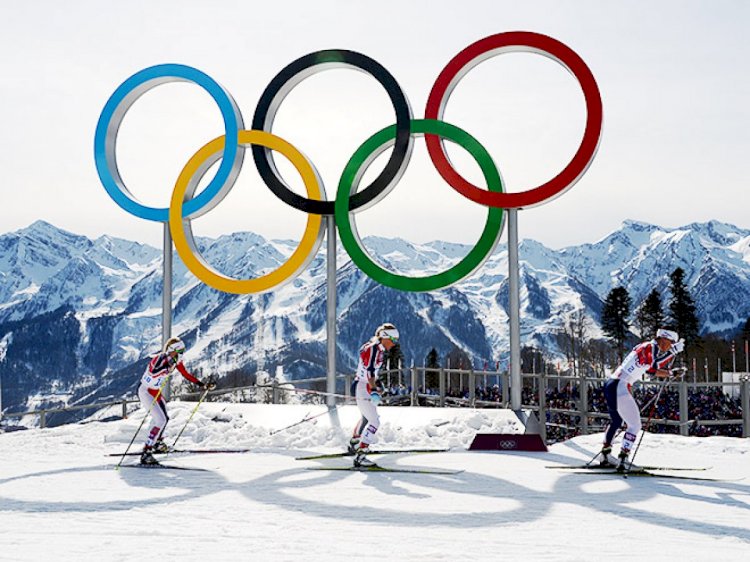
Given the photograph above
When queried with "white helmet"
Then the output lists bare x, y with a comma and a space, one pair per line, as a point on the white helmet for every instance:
387, 330
174, 345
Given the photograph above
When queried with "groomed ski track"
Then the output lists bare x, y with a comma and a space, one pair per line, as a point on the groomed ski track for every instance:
60, 496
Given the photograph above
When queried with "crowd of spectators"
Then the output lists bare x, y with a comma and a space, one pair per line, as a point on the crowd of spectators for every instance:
704, 403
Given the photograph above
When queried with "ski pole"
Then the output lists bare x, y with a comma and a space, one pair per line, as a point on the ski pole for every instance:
137, 431
647, 404
304, 420
305, 391
190, 417
651, 414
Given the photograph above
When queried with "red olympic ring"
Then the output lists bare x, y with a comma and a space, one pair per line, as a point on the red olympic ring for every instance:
489, 47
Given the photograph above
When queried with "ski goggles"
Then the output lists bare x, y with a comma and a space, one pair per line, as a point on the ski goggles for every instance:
390, 334
667, 335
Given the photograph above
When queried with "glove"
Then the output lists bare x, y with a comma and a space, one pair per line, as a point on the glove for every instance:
679, 371
375, 398
208, 384
678, 346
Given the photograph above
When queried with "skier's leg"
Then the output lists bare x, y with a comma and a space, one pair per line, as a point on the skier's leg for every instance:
610, 394
356, 438
158, 414
161, 418
628, 409
369, 414
158, 420
160, 446
368, 428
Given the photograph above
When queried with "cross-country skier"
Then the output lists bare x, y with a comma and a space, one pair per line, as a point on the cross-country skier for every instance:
152, 398
367, 391
654, 357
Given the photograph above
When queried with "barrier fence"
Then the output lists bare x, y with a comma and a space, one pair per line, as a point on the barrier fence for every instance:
419, 386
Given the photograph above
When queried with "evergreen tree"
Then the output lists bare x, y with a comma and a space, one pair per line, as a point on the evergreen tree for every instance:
650, 315
393, 360
532, 360
742, 345
745, 334
682, 308
432, 361
458, 359
615, 318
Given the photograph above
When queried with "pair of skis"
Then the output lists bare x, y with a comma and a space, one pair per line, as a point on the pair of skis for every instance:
183, 451
376, 452
376, 467
159, 465
642, 471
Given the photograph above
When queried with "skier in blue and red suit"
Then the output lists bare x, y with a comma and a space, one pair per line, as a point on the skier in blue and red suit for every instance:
151, 394
654, 357
366, 389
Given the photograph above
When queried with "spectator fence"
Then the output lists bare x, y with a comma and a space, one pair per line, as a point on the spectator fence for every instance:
568, 405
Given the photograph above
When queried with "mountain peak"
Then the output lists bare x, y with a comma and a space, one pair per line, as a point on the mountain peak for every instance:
41, 229
719, 232
40, 225
639, 226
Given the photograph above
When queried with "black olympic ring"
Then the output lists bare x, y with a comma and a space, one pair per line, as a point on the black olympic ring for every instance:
286, 80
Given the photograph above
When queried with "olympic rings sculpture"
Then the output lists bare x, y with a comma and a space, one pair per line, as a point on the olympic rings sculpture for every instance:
185, 204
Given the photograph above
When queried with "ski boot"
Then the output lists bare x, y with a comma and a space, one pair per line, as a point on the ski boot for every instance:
147, 458
606, 460
360, 459
353, 445
160, 447
623, 465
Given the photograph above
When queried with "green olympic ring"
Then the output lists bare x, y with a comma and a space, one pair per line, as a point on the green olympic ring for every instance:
355, 169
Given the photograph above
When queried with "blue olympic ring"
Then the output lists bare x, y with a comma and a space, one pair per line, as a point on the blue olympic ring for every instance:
111, 118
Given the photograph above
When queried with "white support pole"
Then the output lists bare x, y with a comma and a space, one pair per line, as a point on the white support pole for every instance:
166, 296
514, 312
331, 311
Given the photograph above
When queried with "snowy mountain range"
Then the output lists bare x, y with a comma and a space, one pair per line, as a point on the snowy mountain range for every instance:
79, 317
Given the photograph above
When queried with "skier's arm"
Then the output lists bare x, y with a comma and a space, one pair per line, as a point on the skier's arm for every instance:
184, 372
663, 368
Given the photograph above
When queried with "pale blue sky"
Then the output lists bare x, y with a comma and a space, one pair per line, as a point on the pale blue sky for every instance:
673, 75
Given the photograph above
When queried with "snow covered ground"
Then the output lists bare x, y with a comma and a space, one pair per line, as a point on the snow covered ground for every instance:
61, 499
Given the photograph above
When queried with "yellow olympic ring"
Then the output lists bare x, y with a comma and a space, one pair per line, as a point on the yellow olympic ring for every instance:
182, 232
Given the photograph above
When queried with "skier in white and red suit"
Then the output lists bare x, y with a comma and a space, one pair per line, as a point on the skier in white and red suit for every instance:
654, 357
151, 394
366, 389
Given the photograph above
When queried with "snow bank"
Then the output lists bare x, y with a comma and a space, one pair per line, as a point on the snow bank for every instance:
61, 498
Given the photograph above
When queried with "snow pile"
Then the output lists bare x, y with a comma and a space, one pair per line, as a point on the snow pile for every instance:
269, 427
